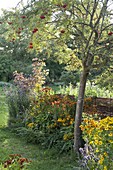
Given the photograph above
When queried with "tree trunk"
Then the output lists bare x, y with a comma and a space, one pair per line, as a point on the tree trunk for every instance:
79, 109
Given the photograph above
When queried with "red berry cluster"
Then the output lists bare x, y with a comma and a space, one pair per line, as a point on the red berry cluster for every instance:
62, 31
110, 33
20, 28
23, 16
62, 6
42, 17
31, 45
35, 30
10, 23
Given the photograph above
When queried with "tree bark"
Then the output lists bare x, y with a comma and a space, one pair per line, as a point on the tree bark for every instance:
79, 110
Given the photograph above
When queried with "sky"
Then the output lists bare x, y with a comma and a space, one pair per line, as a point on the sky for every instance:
7, 4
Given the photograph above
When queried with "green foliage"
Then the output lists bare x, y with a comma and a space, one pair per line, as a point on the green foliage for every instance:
105, 80
55, 70
6, 67
91, 90
68, 77
11, 53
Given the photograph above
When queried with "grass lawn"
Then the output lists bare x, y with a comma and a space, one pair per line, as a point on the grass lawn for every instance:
41, 159
3, 109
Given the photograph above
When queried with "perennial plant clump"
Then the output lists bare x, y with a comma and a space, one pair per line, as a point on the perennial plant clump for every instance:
99, 134
52, 116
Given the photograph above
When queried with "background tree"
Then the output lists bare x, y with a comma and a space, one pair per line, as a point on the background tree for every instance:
79, 31
16, 53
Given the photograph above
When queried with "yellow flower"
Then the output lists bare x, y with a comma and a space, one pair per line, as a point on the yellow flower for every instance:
110, 141
32, 114
61, 120
106, 128
64, 124
82, 127
86, 120
105, 168
65, 137
101, 160
100, 143
30, 125
89, 131
71, 121
97, 150
105, 154
91, 142
96, 142
110, 134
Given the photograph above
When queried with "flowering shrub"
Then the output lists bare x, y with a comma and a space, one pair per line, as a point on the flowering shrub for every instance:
100, 136
38, 76
15, 161
18, 97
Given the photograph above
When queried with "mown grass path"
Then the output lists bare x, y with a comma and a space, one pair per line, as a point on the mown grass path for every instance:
3, 110
41, 159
